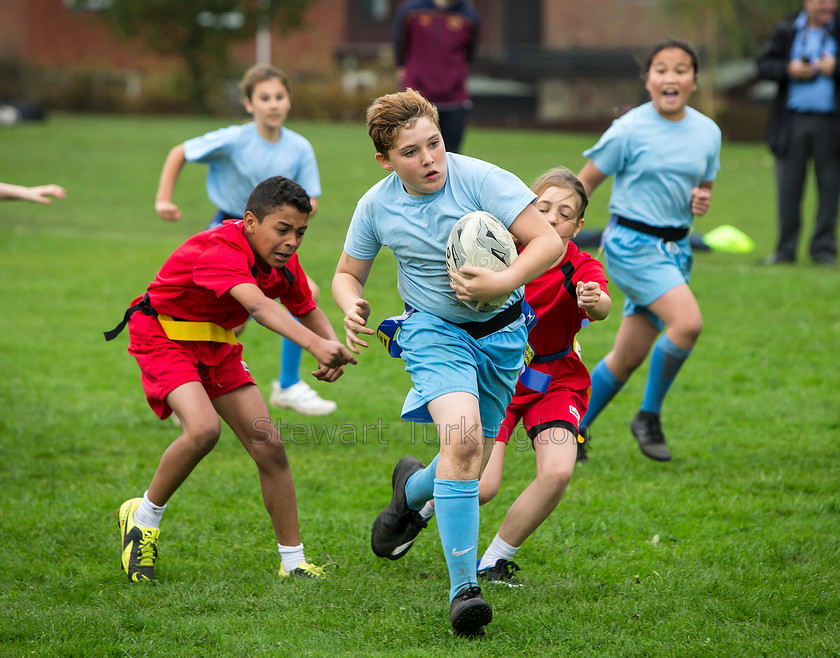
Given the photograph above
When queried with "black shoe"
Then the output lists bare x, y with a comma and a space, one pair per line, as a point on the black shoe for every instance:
501, 573
582, 445
397, 526
469, 613
647, 429
826, 261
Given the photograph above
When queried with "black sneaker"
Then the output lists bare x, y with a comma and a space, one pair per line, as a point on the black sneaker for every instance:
397, 526
582, 445
647, 429
501, 573
469, 613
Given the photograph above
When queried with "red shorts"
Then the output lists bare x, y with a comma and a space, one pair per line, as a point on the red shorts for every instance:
167, 364
558, 406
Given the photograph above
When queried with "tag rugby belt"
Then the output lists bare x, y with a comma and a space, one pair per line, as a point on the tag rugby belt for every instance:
174, 328
667, 233
533, 379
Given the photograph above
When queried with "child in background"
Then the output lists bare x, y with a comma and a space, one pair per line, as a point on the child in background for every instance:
463, 362
191, 362
239, 157
571, 291
664, 156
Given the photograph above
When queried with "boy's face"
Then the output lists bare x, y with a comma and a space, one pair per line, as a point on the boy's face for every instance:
560, 205
269, 103
418, 158
278, 236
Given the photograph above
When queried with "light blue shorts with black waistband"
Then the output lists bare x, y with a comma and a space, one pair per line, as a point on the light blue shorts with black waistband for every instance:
442, 358
645, 267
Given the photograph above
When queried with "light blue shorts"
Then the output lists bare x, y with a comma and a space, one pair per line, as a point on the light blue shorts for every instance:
442, 358
645, 267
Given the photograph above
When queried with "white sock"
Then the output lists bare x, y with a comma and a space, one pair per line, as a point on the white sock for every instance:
498, 549
292, 556
147, 514
428, 510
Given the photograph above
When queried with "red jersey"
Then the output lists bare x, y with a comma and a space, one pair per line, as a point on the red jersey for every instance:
195, 281
436, 47
553, 298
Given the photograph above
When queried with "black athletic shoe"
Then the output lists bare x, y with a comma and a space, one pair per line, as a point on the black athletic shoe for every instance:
647, 429
469, 613
582, 445
397, 526
501, 573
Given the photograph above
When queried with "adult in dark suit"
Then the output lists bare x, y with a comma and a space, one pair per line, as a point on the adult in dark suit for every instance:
805, 124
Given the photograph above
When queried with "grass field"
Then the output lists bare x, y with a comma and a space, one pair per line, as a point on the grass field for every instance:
733, 548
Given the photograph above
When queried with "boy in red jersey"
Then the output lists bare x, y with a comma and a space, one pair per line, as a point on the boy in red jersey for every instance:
191, 363
570, 292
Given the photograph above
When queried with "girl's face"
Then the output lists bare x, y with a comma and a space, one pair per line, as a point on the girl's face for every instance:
560, 205
670, 81
269, 104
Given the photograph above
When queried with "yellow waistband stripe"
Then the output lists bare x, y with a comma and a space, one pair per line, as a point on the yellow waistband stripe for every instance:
206, 331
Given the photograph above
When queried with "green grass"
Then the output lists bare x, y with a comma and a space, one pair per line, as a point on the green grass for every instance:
733, 548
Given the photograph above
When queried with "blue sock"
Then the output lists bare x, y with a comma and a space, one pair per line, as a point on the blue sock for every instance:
290, 363
456, 508
420, 487
666, 359
604, 388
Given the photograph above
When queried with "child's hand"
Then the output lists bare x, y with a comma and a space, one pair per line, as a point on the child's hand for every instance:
701, 199
41, 193
167, 211
588, 294
332, 354
477, 284
355, 323
327, 374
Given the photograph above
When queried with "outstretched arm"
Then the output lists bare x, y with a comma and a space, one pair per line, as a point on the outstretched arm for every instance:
37, 194
164, 207
267, 312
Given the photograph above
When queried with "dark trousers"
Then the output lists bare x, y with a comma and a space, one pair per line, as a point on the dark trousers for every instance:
452, 124
809, 138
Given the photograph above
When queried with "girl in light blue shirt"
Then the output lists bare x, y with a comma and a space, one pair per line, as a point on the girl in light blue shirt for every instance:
664, 157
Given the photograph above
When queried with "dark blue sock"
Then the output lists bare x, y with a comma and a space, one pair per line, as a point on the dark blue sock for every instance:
420, 487
456, 508
666, 359
604, 388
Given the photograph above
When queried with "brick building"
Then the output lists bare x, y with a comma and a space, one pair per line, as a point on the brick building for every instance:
555, 61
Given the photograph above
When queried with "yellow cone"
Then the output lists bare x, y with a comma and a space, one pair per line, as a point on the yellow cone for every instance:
729, 239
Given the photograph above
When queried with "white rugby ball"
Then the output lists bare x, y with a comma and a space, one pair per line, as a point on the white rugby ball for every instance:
480, 239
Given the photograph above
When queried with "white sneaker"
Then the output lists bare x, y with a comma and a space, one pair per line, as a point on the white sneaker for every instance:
300, 397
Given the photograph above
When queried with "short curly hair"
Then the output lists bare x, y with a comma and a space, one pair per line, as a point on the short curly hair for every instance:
275, 192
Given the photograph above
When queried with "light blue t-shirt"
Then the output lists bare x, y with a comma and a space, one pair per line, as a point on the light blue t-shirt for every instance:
240, 159
416, 229
656, 163
815, 95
